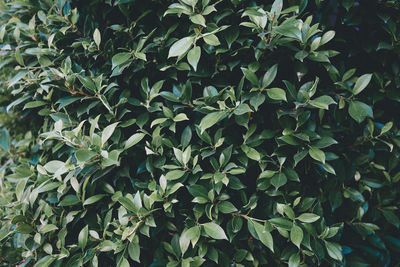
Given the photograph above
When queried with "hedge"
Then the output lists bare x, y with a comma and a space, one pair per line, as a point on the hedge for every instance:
199, 133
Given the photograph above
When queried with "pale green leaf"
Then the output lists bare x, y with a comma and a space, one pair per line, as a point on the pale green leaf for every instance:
361, 83
83, 237
211, 39
269, 76
276, 94
107, 132
193, 57
317, 154
263, 235
181, 46
308, 217
84, 155
97, 37
211, 119
198, 19
54, 165
174, 175
214, 231
296, 235
334, 250
133, 140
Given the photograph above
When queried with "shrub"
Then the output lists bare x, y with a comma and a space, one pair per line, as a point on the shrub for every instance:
199, 133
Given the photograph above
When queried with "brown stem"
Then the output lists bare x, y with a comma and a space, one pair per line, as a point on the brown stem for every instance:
135, 228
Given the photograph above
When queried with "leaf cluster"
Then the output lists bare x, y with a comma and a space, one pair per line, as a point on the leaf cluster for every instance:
199, 133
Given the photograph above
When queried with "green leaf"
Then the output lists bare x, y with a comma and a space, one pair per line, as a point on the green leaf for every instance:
214, 231
211, 39
5, 142
231, 35
186, 136
120, 58
387, 127
97, 37
84, 155
104, 101
289, 29
14, 80
34, 104
134, 251
193, 57
328, 168
361, 83
45, 261
277, 7
226, 207
322, 102
251, 152
191, 3
308, 217
251, 76
180, 47
186, 155
279, 180
93, 199
269, 76
24, 229
88, 83
124, 263
69, 200
211, 119
391, 217
198, 191
107, 132
327, 37
127, 203
83, 237
133, 140
198, 19
180, 117
347, 4
359, 111
174, 175
54, 165
18, 57
294, 260
317, 154
263, 235
47, 228
325, 141
267, 174
189, 235
257, 100
276, 94
242, 109
65, 101
334, 250
169, 96
48, 248
296, 235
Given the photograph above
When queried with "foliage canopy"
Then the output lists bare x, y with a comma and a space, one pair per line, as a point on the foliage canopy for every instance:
199, 133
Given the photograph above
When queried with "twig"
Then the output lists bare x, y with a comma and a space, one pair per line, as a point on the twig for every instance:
135, 228
248, 217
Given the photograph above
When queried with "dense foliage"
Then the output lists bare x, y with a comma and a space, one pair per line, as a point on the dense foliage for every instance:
199, 133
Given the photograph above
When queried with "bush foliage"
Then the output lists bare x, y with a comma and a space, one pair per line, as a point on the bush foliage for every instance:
199, 133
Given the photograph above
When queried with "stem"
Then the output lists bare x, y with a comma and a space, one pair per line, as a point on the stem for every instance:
248, 217
135, 228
